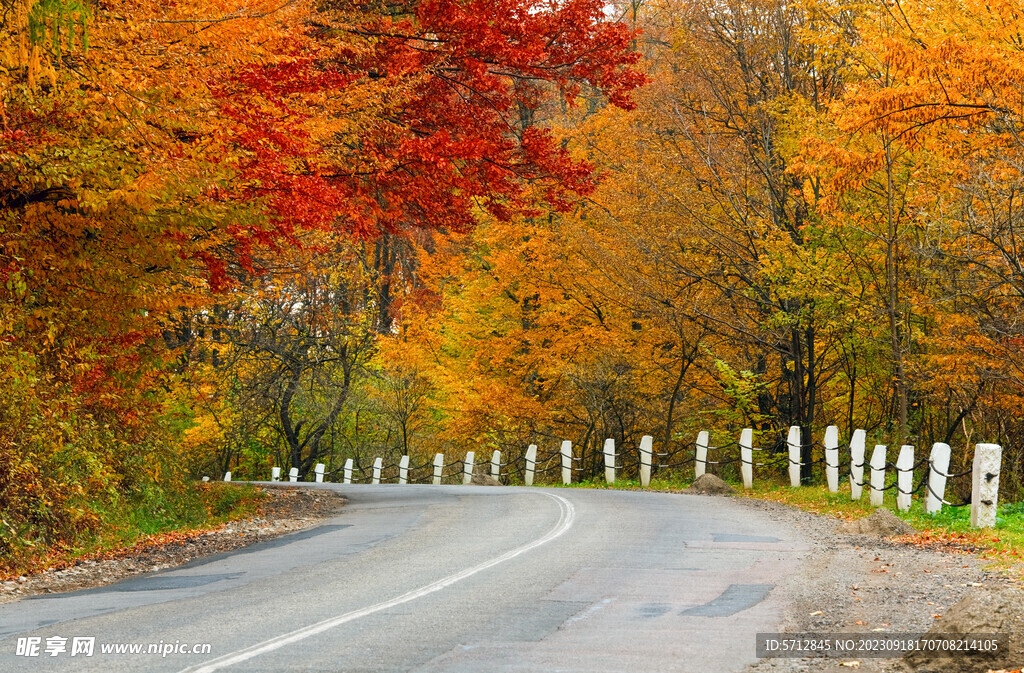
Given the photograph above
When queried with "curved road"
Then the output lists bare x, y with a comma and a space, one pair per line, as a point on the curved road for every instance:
446, 578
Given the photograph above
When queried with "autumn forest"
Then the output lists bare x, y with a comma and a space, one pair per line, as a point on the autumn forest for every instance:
235, 235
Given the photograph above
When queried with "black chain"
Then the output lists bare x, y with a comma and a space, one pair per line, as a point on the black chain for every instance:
684, 454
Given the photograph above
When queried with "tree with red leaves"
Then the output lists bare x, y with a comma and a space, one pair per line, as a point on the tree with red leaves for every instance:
417, 114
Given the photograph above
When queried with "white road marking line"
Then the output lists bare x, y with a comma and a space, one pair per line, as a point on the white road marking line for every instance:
565, 521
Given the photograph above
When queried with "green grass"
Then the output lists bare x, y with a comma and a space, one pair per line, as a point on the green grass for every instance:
162, 510
153, 515
159, 510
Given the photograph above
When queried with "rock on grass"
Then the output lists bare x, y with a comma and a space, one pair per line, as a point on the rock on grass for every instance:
711, 485
480, 479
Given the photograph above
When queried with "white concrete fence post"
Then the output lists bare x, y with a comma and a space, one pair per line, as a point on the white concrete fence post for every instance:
938, 468
566, 453
438, 468
747, 457
319, 472
904, 477
877, 476
793, 443
832, 458
988, 459
609, 461
378, 465
646, 459
531, 464
275, 474
700, 463
227, 476
347, 472
467, 467
293, 474
857, 442
496, 466
403, 470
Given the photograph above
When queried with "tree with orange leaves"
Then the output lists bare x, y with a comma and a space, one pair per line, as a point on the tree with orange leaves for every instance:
156, 154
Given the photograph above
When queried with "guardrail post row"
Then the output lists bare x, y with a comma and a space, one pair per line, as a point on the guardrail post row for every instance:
747, 457
700, 463
609, 460
832, 458
227, 476
403, 470
467, 467
496, 465
378, 465
275, 474
938, 468
988, 459
646, 459
566, 452
348, 471
793, 442
877, 476
904, 476
319, 472
857, 442
531, 464
438, 468
293, 474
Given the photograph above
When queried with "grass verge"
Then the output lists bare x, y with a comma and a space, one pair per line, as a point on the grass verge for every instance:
153, 516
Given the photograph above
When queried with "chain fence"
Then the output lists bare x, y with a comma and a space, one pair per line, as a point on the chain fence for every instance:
806, 463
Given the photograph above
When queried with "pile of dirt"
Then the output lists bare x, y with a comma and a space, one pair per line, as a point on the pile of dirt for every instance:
993, 610
709, 484
880, 523
297, 504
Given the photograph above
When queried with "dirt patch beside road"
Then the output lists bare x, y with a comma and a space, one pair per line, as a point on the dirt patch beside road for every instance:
866, 584
286, 510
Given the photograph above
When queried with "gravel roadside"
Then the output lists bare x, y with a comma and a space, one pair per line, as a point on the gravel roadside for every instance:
286, 510
865, 584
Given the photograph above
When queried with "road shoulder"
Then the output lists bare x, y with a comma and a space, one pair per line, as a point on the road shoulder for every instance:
864, 584
288, 509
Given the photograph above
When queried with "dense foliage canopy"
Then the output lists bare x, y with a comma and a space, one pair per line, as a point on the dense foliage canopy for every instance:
236, 235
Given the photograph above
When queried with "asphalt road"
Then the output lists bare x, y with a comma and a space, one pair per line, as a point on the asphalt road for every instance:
444, 578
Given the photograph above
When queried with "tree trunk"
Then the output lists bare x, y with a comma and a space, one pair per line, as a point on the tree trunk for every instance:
893, 297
